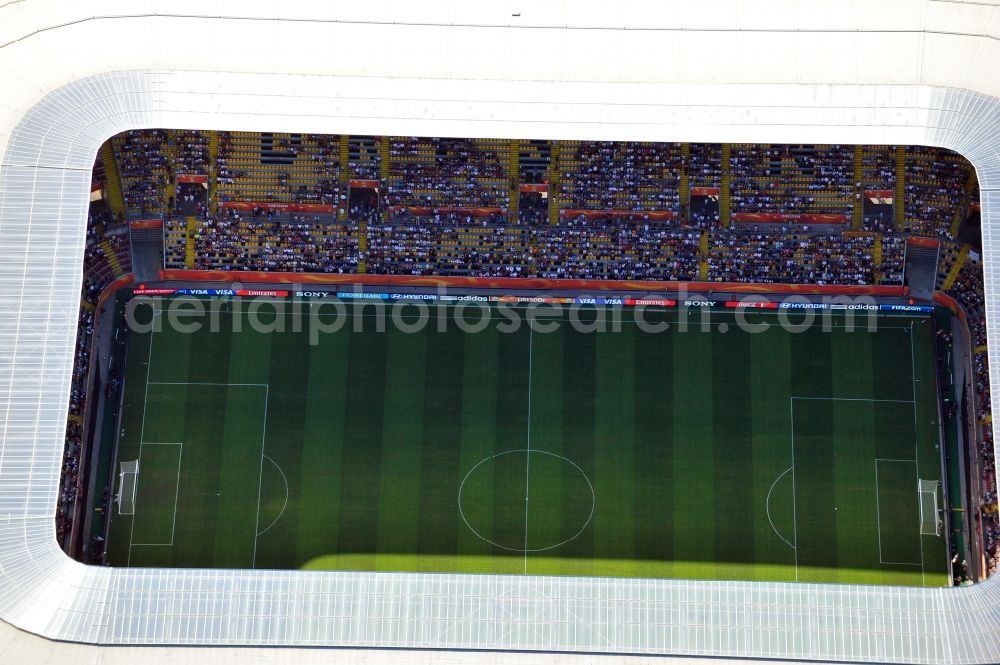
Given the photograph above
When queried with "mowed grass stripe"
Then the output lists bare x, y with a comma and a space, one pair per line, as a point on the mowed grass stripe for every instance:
812, 424
511, 423
177, 358
323, 433
854, 450
771, 461
733, 454
694, 460
652, 463
439, 456
167, 410
402, 441
614, 448
478, 441
577, 442
362, 452
280, 497
550, 510
240, 449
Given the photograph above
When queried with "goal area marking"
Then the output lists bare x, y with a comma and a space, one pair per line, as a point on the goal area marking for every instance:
925, 490
133, 469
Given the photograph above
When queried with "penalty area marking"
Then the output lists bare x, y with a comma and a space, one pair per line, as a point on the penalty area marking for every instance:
767, 506
285, 504
260, 478
791, 412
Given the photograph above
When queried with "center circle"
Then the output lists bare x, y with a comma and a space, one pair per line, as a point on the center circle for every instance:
526, 500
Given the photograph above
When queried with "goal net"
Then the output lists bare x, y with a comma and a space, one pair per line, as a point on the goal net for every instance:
930, 521
128, 478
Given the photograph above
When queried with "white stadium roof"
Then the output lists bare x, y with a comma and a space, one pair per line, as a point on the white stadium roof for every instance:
73, 74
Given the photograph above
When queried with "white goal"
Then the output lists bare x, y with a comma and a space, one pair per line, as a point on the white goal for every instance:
930, 520
128, 480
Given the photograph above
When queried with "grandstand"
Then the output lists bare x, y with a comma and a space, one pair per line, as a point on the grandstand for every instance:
280, 205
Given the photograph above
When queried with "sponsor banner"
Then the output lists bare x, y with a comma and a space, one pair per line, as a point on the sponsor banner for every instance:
205, 292
751, 304
312, 294
533, 187
279, 207
650, 302
355, 295
464, 298
96, 186
143, 291
191, 178
413, 296
598, 301
785, 217
363, 184
803, 305
906, 308
547, 300
866, 307
262, 292
618, 214
705, 191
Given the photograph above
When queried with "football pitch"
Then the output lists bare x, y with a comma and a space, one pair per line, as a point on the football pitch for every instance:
710, 452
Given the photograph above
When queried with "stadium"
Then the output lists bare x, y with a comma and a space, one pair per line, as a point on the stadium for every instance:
498, 333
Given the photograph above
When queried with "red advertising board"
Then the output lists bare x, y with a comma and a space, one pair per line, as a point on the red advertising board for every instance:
192, 178
618, 214
653, 302
363, 184
751, 304
141, 224
279, 207
260, 292
923, 242
427, 210
705, 191
784, 218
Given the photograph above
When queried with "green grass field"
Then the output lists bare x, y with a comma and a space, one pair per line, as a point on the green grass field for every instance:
689, 454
